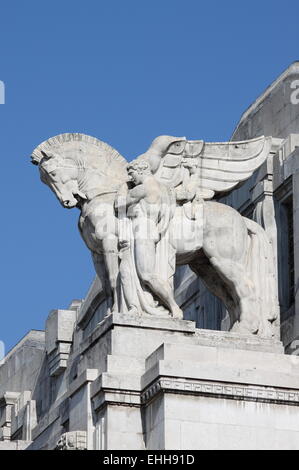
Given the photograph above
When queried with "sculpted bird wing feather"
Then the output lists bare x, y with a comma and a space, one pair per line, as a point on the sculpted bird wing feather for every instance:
213, 167
223, 166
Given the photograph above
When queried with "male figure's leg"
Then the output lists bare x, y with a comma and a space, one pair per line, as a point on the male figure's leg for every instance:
145, 256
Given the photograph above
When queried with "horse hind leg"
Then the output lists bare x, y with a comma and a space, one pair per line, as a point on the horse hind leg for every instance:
244, 292
219, 286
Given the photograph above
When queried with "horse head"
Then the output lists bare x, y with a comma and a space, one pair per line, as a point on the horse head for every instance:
61, 175
79, 168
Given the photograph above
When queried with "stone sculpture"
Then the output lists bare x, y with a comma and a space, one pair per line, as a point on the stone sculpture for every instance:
141, 219
75, 440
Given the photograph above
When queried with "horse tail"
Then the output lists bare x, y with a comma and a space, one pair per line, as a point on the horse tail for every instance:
260, 267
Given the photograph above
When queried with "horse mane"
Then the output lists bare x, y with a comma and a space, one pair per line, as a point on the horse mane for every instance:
87, 152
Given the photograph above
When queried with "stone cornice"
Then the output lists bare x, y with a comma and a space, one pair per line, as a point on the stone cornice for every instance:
220, 390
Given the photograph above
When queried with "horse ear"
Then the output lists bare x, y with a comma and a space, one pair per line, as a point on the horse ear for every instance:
82, 195
47, 155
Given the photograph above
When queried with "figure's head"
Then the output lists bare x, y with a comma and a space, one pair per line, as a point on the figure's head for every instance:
138, 170
61, 175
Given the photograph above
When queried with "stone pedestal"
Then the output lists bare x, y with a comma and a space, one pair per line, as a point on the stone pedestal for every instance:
157, 383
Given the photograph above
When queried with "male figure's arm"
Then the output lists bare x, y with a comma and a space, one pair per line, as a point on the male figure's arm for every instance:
135, 195
120, 202
126, 197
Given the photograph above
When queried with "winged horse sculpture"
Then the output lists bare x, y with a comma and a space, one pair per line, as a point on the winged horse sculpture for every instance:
141, 220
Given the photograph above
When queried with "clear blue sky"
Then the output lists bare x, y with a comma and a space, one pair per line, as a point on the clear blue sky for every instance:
125, 72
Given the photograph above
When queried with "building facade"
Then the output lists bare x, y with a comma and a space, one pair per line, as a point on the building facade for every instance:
95, 382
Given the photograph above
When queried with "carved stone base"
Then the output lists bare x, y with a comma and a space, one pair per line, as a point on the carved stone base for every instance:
153, 383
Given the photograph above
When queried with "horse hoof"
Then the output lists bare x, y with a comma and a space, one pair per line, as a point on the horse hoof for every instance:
178, 314
244, 328
133, 311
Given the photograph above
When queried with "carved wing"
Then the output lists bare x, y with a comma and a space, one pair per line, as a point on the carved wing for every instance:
214, 167
223, 166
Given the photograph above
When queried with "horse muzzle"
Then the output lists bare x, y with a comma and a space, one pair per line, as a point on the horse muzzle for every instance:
69, 203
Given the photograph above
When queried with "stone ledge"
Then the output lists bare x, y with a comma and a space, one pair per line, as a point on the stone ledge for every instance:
224, 357
195, 335
116, 397
154, 323
227, 339
219, 390
121, 389
136, 321
189, 361
89, 375
14, 445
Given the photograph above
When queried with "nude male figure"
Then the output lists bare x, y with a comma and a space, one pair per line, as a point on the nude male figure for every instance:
149, 209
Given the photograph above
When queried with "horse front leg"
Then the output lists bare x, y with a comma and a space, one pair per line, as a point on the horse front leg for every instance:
101, 270
110, 253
